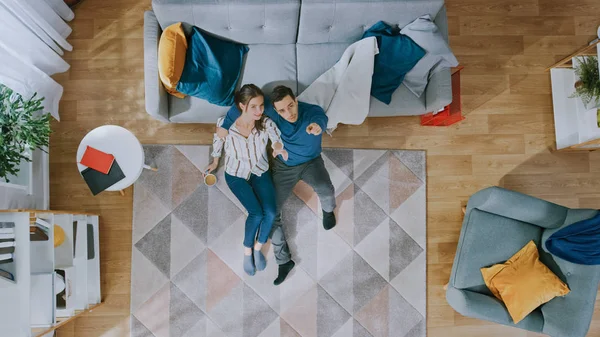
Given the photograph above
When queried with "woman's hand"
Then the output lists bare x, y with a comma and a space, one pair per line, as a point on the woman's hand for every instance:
222, 133
283, 153
211, 167
278, 150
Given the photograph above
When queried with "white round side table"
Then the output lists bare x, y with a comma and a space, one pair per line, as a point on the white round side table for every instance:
122, 144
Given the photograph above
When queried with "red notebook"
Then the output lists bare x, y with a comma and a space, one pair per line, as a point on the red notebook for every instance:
97, 160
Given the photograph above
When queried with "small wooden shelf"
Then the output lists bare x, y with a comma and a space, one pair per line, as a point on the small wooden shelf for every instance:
38, 332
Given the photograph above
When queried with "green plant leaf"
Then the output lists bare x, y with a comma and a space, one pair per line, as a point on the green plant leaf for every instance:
23, 125
588, 73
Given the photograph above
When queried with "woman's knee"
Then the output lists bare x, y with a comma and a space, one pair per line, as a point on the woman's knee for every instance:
269, 213
256, 215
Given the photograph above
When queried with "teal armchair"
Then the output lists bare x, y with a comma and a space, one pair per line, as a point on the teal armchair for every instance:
497, 224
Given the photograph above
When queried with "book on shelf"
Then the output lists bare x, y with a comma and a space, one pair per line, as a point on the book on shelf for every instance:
6, 258
39, 230
7, 250
90, 242
7, 227
74, 236
36, 234
98, 181
7, 275
7, 243
7, 236
42, 224
97, 160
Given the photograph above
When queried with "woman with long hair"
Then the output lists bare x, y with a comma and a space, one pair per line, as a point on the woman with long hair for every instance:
247, 170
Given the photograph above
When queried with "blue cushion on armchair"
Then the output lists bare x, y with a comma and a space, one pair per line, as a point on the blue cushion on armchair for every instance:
212, 68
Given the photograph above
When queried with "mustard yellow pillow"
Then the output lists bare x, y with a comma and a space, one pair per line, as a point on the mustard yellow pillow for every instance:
171, 57
523, 282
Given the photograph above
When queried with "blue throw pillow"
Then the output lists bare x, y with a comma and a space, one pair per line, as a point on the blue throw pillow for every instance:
398, 54
212, 68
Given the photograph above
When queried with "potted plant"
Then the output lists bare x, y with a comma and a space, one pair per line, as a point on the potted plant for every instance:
22, 129
587, 88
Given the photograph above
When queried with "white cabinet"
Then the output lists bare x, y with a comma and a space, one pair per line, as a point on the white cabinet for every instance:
30, 305
576, 126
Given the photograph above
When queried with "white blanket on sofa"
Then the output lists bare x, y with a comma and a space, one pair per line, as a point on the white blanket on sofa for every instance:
344, 91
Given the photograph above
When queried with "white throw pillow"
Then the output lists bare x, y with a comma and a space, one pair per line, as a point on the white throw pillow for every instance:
438, 54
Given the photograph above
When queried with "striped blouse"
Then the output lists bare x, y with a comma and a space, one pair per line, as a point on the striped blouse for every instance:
244, 156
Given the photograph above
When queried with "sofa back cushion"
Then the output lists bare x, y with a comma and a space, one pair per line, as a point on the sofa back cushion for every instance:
325, 21
243, 21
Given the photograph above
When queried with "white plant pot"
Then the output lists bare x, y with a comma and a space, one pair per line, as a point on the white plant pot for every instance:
23, 178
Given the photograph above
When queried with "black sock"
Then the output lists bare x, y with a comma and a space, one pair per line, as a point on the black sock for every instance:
328, 220
284, 270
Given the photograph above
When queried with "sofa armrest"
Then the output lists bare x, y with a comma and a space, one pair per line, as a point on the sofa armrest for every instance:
518, 206
480, 306
438, 93
157, 100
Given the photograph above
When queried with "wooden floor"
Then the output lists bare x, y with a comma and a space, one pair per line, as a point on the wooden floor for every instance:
505, 140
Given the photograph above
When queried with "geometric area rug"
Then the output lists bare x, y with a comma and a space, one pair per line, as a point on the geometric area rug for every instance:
364, 278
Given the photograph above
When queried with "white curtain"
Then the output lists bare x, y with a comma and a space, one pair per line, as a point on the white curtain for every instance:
32, 39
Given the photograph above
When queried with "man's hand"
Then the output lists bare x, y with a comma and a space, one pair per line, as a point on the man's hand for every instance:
314, 129
222, 133
279, 150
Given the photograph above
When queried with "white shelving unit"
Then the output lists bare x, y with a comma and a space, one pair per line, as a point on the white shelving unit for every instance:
576, 126
30, 187
28, 305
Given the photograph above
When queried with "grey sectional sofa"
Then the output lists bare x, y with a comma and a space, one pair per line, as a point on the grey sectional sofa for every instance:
291, 42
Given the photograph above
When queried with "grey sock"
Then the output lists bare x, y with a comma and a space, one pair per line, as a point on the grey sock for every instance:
259, 259
249, 265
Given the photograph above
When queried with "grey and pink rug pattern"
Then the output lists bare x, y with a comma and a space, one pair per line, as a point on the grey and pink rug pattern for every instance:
366, 277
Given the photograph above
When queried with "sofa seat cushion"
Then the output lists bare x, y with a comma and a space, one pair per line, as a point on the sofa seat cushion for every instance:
398, 54
487, 239
194, 110
426, 34
269, 65
316, 59
404, 103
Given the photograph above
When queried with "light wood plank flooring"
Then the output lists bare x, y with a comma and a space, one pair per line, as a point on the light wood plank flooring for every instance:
505, 140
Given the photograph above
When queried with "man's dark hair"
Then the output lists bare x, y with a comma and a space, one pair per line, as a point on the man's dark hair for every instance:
279, 93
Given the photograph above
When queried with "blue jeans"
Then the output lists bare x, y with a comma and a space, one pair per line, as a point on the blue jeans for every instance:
257, 195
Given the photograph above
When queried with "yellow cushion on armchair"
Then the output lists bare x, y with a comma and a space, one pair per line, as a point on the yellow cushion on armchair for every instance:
523, 282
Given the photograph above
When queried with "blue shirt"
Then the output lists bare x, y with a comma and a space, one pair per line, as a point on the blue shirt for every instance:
301, 146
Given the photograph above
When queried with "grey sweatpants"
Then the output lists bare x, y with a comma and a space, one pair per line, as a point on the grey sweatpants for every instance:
285, 178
